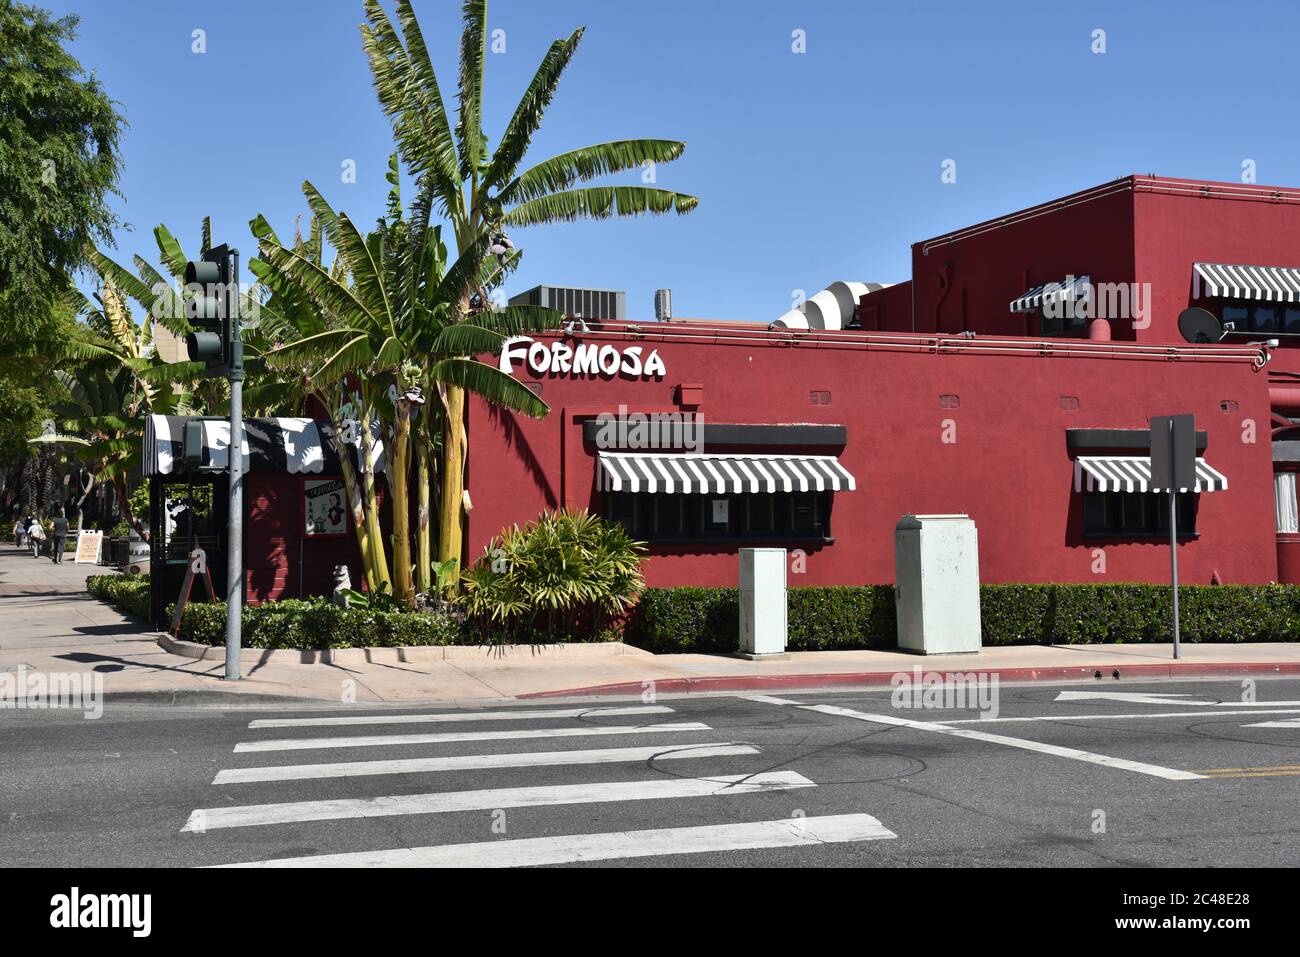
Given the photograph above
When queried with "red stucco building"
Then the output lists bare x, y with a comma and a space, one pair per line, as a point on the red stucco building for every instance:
986, 385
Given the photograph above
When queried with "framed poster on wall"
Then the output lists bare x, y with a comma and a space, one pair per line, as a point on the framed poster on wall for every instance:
325, 507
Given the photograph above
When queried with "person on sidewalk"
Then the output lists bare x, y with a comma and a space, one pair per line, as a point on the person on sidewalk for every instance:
60, 527
36, 535
21, 527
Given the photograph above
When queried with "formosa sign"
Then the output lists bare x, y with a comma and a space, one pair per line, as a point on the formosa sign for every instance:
560, 358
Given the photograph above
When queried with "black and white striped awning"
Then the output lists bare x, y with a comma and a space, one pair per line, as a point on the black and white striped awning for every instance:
1267, 283
690, 474
1132, 473
1071, 288
293, 445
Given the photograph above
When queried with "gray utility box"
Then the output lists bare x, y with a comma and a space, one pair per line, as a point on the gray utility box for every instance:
937, 576
762, 601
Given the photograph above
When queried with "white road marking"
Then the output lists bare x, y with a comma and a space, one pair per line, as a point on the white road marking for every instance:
457, 716
1170, 774
766, 699
474, 762
527, 852
1129, 697
443, 737
1115, 717
1288, 723
206, 819
1259, 704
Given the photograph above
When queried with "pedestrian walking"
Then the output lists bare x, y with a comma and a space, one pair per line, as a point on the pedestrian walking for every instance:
21, 528
59, 525
36, 535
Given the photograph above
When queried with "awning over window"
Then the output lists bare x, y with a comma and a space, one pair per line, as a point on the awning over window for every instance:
1132, 473
1071, 288
1267, 283
297, 445
690, 474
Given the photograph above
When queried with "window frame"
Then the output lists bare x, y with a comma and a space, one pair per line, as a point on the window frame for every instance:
644, 509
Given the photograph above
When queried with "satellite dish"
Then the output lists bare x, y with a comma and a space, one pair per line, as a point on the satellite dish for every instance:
1199, 325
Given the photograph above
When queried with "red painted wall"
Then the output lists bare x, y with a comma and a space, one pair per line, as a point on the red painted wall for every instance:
1226, 224
967, 280
1009, 468
280, 561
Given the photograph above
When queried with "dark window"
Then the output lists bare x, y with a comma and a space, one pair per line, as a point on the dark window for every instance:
1061, 324
1137, 514
798, 516
1261, 317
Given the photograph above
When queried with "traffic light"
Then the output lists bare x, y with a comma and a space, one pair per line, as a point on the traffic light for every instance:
207, 280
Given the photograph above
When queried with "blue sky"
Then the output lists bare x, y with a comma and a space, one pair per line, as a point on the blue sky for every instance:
810, 167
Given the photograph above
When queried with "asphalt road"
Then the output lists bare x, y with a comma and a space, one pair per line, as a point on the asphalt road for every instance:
1190, 776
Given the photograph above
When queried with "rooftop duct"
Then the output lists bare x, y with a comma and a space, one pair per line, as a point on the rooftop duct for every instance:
832, 308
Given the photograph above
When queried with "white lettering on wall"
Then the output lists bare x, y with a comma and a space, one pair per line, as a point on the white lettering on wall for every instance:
557, 358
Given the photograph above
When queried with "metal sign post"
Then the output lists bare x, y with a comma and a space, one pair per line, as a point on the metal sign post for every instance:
1173, 469
235, 520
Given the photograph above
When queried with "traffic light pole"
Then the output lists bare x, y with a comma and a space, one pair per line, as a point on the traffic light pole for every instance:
235, 520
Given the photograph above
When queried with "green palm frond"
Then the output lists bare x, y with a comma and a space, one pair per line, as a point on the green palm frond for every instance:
469, 122
328, 293
585, 164
528, 114
599, 202
490, 383
169, 248
467, 339
519, 320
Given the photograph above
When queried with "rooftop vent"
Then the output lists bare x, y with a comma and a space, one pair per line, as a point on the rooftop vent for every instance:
832, 308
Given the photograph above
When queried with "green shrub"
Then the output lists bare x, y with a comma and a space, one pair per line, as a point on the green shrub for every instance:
565, 577
704, 620
130, 593
316, 623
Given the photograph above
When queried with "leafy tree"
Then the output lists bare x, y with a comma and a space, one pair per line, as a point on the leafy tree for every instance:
384, 329
59, 164
481, 191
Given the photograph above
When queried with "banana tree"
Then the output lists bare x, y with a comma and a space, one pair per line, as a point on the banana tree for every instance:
386, 327
483, 192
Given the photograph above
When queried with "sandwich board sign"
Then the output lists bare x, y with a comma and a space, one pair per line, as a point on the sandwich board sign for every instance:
90, 545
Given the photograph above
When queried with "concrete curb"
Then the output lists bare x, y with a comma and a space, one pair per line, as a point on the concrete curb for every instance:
869, 679
415, 654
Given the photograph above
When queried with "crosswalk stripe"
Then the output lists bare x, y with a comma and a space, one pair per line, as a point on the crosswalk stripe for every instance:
475, 762
456, 716
525, 852
443, 737
206, 819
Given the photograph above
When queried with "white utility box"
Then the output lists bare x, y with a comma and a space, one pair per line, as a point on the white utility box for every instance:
937, 584
762, 602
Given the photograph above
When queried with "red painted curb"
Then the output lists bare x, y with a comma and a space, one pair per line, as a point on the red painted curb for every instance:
868, 679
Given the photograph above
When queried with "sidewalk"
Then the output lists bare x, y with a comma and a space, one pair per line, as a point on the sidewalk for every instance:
51, 625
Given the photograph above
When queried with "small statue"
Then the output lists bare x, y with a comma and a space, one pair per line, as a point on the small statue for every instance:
342, 585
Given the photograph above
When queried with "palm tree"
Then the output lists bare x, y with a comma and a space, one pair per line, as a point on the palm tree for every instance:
482, 194
385, 329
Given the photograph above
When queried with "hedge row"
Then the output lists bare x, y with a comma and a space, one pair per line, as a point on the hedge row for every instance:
295, 623
127, 592
707, 619
286, 624
704, 620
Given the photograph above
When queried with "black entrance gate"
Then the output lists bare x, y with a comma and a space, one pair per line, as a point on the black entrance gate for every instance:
185, 511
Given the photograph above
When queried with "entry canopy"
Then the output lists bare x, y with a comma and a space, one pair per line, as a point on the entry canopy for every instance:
1132, 473
1265, 283
692, 474
294, 445
1069, 289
